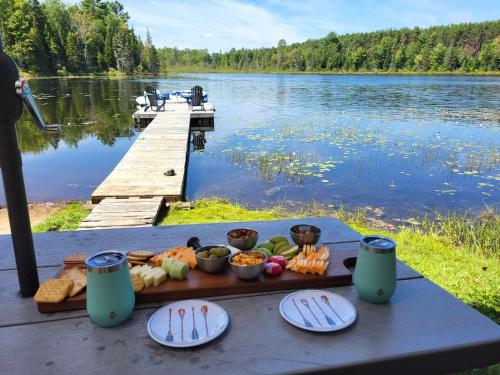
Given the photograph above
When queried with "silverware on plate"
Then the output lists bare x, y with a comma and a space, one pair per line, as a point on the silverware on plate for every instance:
194, 334
306, 322
170, 336
328, 319
327, 302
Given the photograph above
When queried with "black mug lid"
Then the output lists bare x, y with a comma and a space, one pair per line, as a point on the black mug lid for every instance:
378, 244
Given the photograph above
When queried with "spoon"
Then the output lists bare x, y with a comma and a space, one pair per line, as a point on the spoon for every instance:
194, 334
182, 312
306, 322
306, 304
170, 336
204, 310
328, 319
327, 301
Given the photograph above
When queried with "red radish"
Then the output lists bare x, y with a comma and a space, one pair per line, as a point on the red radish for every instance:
281, 260
273, 269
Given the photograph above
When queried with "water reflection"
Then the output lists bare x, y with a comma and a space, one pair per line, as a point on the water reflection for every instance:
403, 143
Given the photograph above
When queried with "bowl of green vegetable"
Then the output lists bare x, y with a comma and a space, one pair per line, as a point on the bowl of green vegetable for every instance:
212, 259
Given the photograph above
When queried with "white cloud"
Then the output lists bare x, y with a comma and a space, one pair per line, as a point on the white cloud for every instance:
212, 24
224, 24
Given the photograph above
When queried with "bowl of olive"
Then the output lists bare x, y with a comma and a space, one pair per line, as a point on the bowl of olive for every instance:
212, 258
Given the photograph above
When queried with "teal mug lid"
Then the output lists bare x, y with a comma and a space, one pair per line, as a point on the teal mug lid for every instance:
377, 244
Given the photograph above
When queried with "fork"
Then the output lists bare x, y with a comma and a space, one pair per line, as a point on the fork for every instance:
306, 304
194, 334
306, 322
170, 336
327, 302
328, 319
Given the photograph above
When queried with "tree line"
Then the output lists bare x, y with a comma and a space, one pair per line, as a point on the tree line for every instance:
466, 47
92, 36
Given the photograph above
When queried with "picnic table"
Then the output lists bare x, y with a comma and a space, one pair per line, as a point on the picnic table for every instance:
422, 330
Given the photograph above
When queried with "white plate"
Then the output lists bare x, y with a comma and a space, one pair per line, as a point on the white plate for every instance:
216, 322
317, 310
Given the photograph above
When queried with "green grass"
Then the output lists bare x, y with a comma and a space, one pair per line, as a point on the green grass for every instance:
213, 210
69, 218
224, 70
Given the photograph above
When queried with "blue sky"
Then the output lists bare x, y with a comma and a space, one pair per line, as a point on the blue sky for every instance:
223, 24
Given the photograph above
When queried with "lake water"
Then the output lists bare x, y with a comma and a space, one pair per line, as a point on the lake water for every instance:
405, 144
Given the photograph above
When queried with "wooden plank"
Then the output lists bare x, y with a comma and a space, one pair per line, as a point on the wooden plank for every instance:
422, 330
132, 212
200, 284
51, 247
163, 145
19, 310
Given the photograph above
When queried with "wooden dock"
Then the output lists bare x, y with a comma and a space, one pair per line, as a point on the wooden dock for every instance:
133, 192
130, 212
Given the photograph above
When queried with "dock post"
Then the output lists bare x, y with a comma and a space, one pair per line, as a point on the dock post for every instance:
11, 108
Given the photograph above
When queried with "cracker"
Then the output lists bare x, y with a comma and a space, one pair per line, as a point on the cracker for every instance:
137, 262
129, 257
137, 283
76, 258
53, 291
78, 277
141, 254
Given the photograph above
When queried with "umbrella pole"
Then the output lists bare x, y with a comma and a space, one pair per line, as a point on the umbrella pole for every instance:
11, 107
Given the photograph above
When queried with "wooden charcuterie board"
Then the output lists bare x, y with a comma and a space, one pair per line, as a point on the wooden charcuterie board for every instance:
201, 284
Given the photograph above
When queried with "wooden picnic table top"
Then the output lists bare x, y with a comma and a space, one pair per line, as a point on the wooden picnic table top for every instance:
422, 330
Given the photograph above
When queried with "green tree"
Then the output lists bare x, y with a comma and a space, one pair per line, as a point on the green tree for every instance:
74, 52
437, 56
451, 61
149, 56
122, 51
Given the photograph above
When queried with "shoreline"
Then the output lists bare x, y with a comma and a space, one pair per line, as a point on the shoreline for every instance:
374, 217
39, 212
106, 75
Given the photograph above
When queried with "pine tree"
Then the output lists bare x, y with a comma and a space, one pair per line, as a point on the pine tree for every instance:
149, 57
74, 52
451, 59
122, 51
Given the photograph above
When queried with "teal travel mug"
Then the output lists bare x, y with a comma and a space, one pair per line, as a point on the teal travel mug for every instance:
110, 296
375, 272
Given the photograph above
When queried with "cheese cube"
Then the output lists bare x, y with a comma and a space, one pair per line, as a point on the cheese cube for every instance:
148, 279
159, 277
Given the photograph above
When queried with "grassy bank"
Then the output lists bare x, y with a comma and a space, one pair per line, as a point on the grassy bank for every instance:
68, 218
458, 252
115, 74
202, 69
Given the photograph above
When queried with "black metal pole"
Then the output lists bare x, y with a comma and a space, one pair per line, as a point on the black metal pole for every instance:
11, 108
